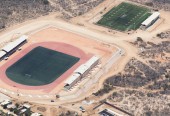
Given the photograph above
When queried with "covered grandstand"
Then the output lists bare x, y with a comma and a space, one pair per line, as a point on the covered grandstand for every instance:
2, 55
84, 68
71, 81
81, 72
11, 47
92, 62
150, 20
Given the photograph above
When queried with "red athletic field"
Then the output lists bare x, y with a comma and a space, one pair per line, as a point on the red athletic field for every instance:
61, 47
62, 41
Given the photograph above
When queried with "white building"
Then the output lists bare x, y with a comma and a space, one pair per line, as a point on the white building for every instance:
23, 111
2, 55
26, 106
150, 20
15, 44
81, 72
92, 62
84, 69
11, 106
71, 81
108, 112
36, 114
5, 102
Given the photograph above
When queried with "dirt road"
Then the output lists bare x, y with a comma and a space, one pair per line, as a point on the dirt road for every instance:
89, 31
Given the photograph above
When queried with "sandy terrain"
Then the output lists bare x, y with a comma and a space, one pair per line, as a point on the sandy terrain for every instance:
80, 46
83, 27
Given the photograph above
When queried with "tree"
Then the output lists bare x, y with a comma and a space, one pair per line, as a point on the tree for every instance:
17, 105
139, 39
149, 4
46, 2
148, 113
57, 96
167, 76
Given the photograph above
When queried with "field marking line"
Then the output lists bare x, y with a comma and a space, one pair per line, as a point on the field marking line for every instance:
46, 96
22, 94
39, 96
30, 96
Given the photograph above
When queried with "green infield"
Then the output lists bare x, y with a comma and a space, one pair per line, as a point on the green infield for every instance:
125, 17
40, 66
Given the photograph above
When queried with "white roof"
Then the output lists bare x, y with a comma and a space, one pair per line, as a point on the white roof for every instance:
5, 102
72, 78
23, 110
112, 112
14, 44
21, 39
27, 106
90, 62
11, 106
2, 53
81, 69
35, 114
9, 47
151, 18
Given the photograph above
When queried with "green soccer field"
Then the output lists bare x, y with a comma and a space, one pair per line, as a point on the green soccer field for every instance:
40, 66
125, 17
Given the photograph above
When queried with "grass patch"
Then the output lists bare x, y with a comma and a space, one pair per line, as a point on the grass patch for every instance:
125, 17
40, 66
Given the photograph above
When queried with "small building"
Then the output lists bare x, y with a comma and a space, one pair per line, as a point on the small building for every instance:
11, 107
150, 20
72, 80
13, 46
36, 114
5, 103
2, 55
22, 112
26, 106
106, 112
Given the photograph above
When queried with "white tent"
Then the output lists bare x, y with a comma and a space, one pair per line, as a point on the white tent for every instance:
150, 19
9, 47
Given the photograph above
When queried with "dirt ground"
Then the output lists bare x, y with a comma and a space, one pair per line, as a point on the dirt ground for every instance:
84, 27
88, 46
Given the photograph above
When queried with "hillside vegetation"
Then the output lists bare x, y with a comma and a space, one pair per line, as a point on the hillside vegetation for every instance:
157, 4
143, 87
15, 11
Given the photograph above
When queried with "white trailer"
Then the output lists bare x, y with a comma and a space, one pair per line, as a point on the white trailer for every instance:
150, 20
